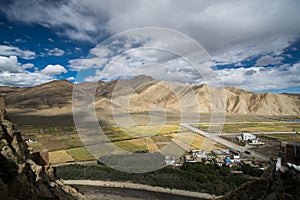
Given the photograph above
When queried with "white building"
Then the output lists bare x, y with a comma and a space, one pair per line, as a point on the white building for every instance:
248, 136
173, 160
198, 153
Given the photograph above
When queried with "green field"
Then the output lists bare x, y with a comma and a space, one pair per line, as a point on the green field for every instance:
80, 154
255, 127
128, 146
131, 138
150, 130
116, 134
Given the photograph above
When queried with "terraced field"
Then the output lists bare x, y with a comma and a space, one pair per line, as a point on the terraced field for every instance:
64, 144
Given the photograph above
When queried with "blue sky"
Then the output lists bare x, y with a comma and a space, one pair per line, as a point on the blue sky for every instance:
253, 45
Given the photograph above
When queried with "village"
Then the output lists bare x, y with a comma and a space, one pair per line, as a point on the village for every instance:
287, 158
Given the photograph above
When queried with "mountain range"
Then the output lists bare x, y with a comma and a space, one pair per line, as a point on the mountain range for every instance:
143, 93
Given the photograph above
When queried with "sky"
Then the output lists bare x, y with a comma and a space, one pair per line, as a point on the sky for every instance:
254, 45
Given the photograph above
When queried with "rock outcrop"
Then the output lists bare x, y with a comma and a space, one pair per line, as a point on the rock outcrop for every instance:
20, 176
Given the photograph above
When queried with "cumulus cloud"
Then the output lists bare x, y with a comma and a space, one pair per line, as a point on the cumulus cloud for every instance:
76, 19
23, 79
269, 60
54, 70
134, 59
231, 31
12, 73
16, 51
9, 64
55, 52
260, 78
155, 53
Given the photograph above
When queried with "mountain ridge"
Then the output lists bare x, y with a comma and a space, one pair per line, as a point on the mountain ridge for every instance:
143, 92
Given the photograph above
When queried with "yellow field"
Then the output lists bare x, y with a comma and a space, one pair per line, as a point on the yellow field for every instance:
138, 141
152, 147
137, 131
196, 141
166, 129
60, 156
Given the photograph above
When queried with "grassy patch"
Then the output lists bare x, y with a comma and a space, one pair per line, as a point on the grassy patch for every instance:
115, 133
256, 127
80, 154
161, 140
151, 130
128, 146
167, 129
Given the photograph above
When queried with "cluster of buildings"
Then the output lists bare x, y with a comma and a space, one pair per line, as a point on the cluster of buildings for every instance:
220, 157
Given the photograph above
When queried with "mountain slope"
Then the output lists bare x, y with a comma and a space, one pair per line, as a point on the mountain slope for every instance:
51, 94
143, 93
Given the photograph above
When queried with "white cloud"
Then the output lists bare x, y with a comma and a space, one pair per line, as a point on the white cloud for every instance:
86, 63
71, 78
230, 30
54, 70
16, 51
28, 66
55, 52
19, 40
50, 40
23, 79
269, 60
260, 78
9, 64
147, 56
12, 73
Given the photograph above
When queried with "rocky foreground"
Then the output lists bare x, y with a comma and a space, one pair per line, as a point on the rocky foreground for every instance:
24, 175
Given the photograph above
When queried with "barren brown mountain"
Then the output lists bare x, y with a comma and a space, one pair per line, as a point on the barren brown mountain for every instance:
142, 93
